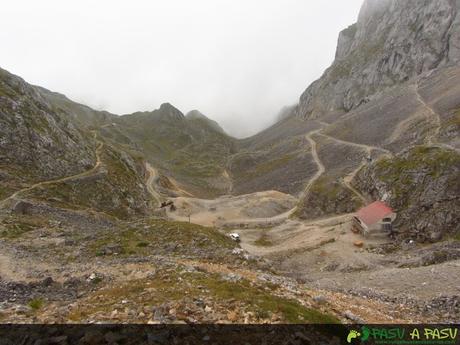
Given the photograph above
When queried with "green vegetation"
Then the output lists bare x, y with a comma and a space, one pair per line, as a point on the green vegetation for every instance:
266, 167
190, 151
36, 303
121, 183
454, 121
435, 160
325, 186
6, 91
5, 192
263, 303
162, 234
456, 237
398, 172
327, 196
15, 227
175, 285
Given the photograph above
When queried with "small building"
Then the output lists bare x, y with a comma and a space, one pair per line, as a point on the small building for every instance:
374, 218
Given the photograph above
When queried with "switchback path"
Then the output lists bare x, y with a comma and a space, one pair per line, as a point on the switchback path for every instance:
321, 168
367, 148
347, 183
433, 116
151, 180
89, 172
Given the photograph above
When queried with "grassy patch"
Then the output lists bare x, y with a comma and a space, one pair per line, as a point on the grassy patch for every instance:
269, 166
157, 234
15, 227
36, 303
398, 171
453, 121
171, 285
263, 303
5, 191
456, 237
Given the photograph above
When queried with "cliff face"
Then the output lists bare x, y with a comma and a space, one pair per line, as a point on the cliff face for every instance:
392, 41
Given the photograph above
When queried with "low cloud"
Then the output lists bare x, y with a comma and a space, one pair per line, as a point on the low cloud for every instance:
239, 61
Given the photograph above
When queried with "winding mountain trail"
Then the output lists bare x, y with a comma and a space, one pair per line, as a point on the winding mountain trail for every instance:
227, 176
87, 173
276, 220
367, 148
321, 168
151, 180
433, 116
347, 183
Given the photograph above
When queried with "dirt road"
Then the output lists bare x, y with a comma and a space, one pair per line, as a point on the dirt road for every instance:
321, 168
151, 182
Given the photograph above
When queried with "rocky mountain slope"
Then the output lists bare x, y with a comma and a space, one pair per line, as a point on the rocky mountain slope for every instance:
49, 153
392, 42
191, 150
37, 140
392, 89
422, 183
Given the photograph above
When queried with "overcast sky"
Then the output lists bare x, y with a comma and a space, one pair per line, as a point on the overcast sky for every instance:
237, 61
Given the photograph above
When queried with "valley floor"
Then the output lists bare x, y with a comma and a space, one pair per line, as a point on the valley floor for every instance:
322, 254
157, 271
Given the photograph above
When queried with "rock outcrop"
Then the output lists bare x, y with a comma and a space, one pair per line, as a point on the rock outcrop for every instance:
392, 41
422, 185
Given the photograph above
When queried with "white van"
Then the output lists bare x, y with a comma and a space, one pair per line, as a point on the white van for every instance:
235, 237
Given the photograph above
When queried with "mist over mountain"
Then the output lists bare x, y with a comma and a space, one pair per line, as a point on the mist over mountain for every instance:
236, 61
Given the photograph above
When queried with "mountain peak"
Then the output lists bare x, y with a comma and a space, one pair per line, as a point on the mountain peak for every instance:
168, 110
199, 116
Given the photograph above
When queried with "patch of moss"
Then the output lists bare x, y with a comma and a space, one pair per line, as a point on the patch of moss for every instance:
36, 303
